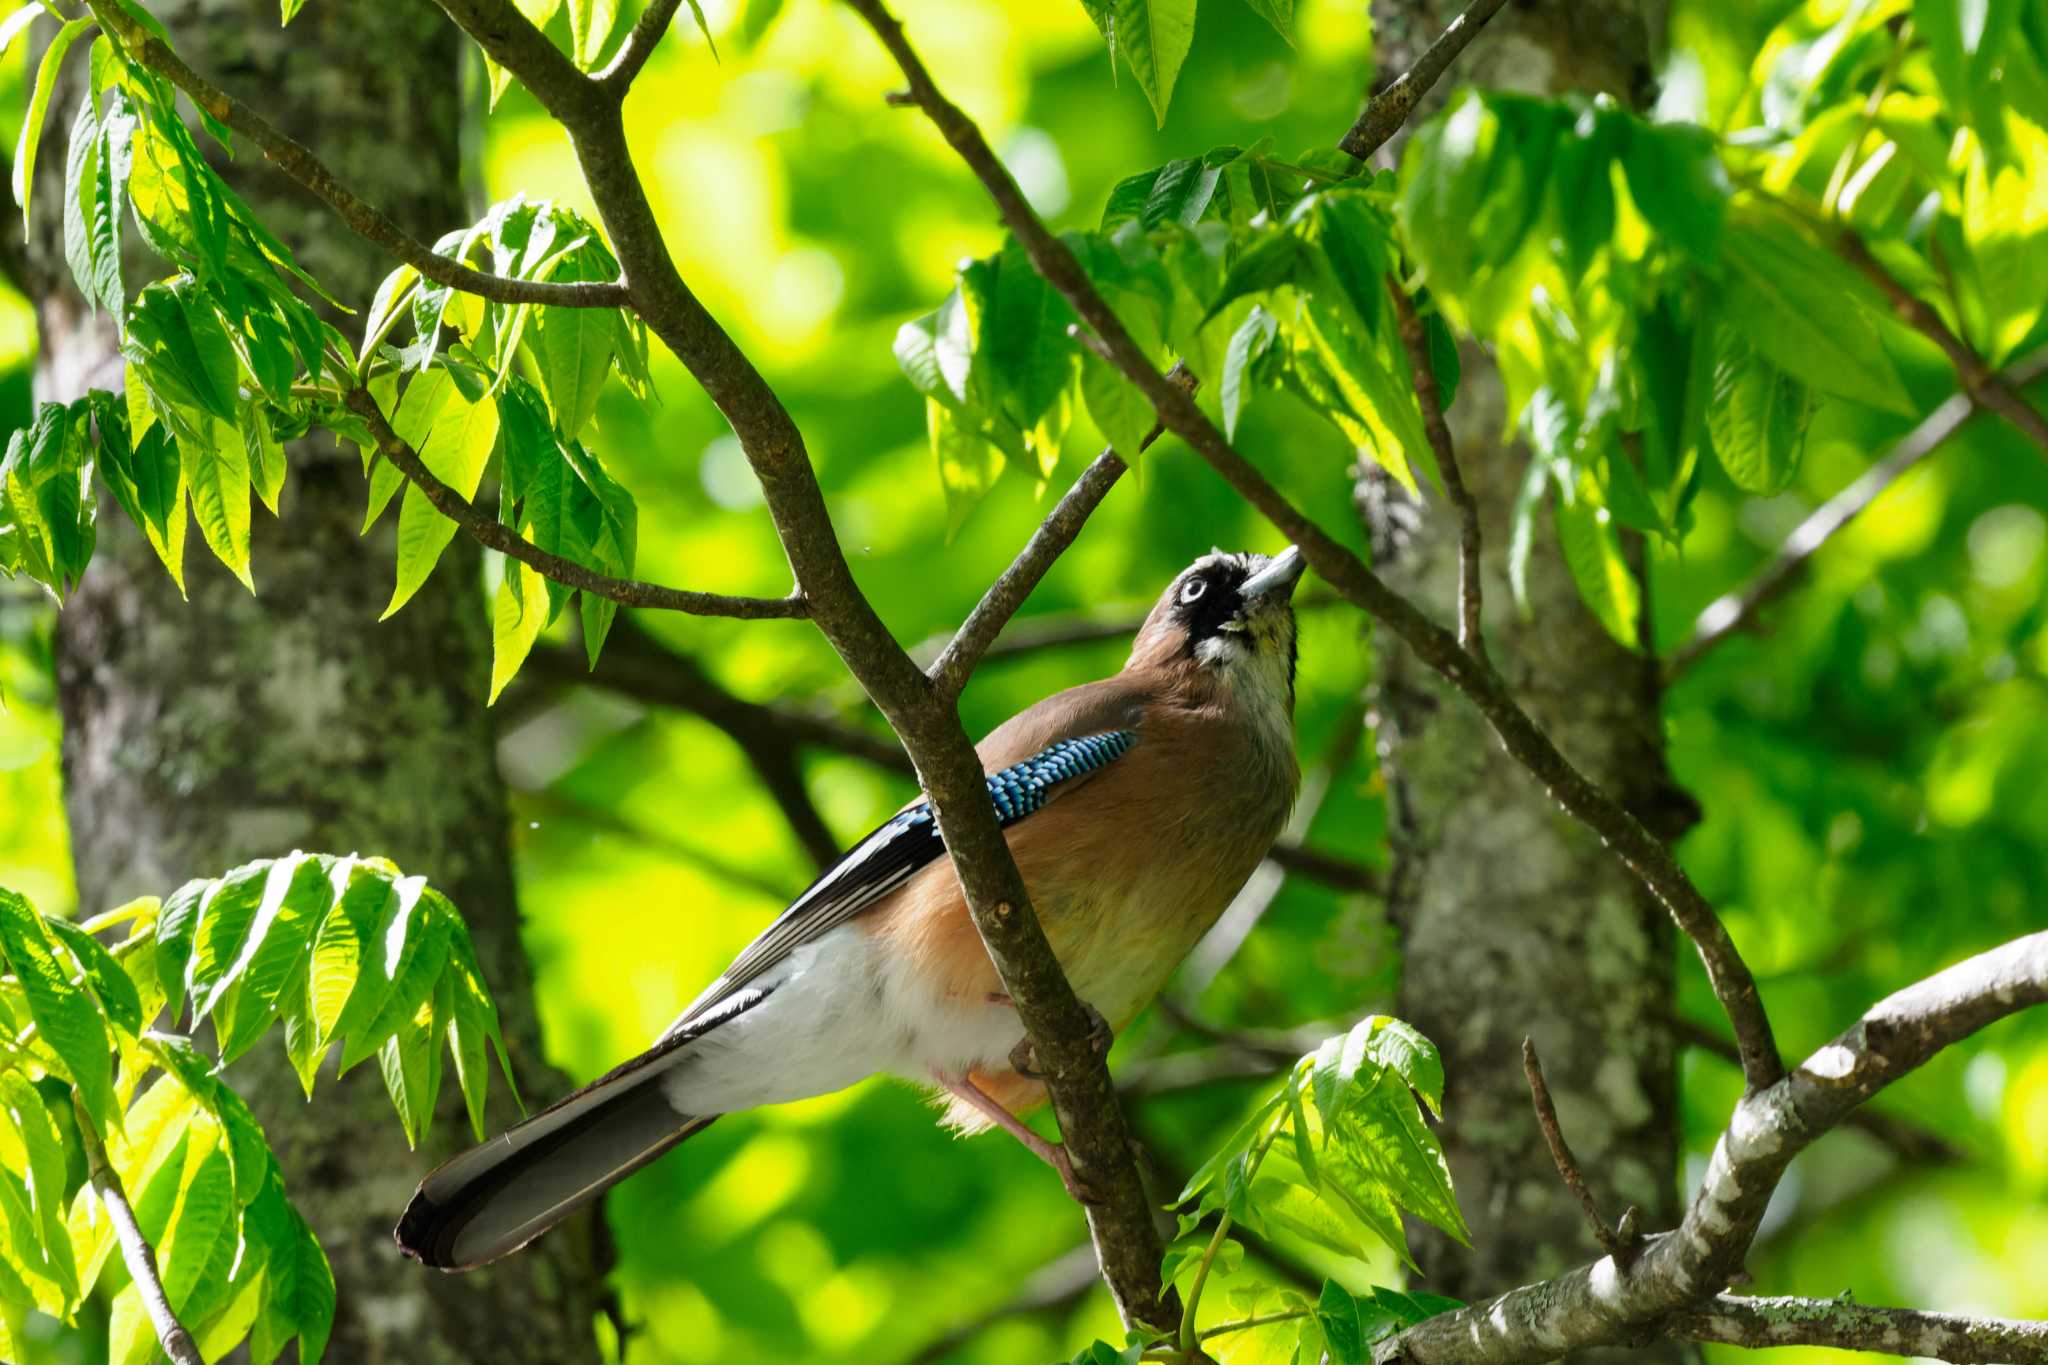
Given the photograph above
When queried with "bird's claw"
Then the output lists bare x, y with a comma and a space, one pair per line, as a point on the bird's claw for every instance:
1077, 1189
1024, 1057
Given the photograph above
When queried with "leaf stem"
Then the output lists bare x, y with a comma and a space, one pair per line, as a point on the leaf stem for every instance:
1189, 1338
1256, 1320
136, 1251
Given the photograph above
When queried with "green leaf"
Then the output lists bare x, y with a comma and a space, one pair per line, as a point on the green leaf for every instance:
590, 24
348, 982
411, 987
1397, 1044
1154, 37
1025, 346
109, 984
1592, 551
296, 896
968, 462
176, 923
1247, 344
38, 109
46, 1167
301, 1298
1798, 306
291, 9
1758, 416
1278, 13
457, 447
574, 349
46, 486
229, 908
68, 1018
1122, 414
1178, 192
1676, 179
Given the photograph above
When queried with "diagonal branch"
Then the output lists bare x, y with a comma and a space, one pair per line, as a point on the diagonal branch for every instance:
1415, 341
1083, 1098
136, 1251
639, 46
1645, 855
1561, 1152
1737, 611
1846, 1325
363, 218
949, 673
1387, 111
1986, 387
497, 536
1605, 1303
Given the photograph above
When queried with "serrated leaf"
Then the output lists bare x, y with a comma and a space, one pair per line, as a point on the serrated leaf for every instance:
296, 897
1250, 341
457, 447
66, 1016
519, 612
45, 1187
176, 923
215, 467
1592, 551
423, 955
1406, 1157
225, 916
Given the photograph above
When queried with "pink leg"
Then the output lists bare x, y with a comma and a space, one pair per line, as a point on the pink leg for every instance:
1053, 1154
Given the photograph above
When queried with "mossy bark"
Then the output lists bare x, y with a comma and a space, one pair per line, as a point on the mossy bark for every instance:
1513, 919
202, 733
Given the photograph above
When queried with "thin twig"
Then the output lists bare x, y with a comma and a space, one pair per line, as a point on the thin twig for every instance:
1058, 531
1985, 385
362, 217
1387, 111
1415, 340
136, 1251
1561, 1151
1647, 856
1845, 1325
1737, 611
639, 46
497, 536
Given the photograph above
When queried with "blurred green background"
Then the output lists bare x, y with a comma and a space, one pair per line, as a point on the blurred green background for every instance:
1870, 770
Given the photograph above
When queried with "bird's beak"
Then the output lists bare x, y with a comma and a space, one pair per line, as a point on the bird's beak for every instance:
1278, 577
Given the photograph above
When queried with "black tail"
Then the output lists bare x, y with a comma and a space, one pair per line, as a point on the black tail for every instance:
494, 1199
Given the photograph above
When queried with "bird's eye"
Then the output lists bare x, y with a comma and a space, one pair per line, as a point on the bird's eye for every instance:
1192, 590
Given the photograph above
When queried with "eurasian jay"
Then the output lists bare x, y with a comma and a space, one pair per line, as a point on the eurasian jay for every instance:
1136, 807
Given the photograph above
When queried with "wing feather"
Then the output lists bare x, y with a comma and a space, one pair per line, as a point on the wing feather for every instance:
887, 858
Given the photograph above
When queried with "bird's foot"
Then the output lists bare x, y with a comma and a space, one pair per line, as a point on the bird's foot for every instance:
1053, 1154
1024, 1057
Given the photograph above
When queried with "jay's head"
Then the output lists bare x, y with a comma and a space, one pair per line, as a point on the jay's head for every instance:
1231, 616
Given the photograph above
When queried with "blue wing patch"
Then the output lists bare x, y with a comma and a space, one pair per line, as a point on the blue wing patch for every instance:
885, 860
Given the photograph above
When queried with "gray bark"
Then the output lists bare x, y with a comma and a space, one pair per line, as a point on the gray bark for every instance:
1514, 921
199, 735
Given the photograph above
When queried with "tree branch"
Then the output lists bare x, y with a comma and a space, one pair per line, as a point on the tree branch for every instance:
1387, 111
1908, 1141
497, 536
1561, 1151
136, 1252
1083, 1099
1605, 1303
1061, 526
1986, 387
1737, 611
1646, 855
363, 218
639, 46
1759, 1323
1415, 341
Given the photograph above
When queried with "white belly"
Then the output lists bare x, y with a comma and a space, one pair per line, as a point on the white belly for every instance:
839, 1012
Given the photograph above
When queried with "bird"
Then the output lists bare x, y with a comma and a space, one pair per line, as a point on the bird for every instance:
1136, 806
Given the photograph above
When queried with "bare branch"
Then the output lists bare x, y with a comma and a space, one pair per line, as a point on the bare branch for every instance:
1061, 526
1907, 1140
136, 1251
1607, 1303
1737, 611
1645, 854
1849, 1326
497, 536
1083, 1099
1988, 389
1387, 111
363, 218
1561, 1151
1415, 340
639, 46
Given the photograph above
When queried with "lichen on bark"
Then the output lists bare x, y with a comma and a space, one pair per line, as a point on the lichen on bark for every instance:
201, 733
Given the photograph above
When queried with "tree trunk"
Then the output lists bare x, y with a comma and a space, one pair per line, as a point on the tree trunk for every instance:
199, 735
1513, 919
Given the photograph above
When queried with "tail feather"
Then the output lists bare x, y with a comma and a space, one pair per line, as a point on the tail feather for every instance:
494, 1199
